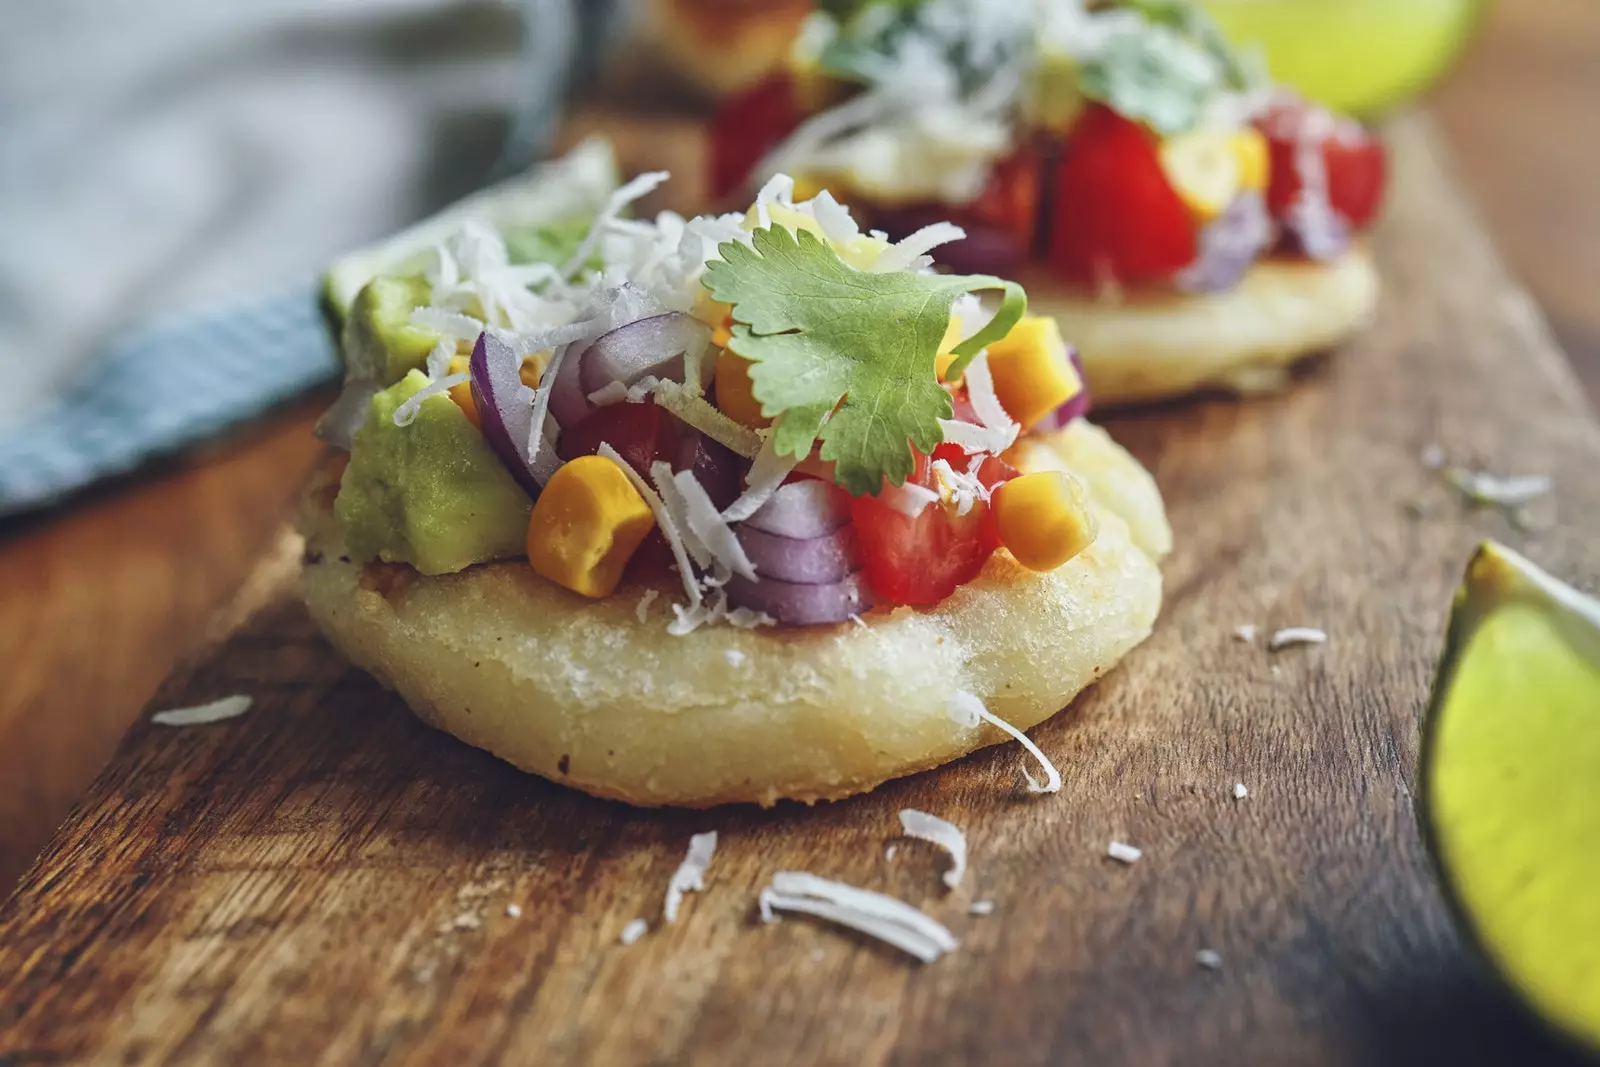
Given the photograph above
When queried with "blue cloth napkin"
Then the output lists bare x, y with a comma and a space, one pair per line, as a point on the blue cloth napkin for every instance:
164, 385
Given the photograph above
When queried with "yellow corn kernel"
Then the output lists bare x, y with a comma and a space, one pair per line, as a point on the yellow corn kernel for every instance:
462, 394
1204, 169
1255, 168
1043, 519
735, 392
586, 525
1033, 375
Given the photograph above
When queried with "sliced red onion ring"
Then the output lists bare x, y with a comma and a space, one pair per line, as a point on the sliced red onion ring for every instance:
1229, 246
802, 510
801, 605
505, 406
655, 346
1075, 408
568, 401
815, 561
718, 469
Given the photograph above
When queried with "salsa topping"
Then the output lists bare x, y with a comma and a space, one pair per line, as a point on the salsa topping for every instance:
1123, 143
855, 461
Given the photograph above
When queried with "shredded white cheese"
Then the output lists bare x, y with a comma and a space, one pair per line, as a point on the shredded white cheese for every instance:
698, 412
614, 206
970, 438
1124, 853
634, 931
911, 252
909, 499
216, 711
642, 610
1297, 635
981, 907
875, 914
986, 402
948, 836
709, 527
1481, 487
765, 477
1239, 791
691, 873
669, 529
406, 413
1245, 633
966, 709
1210, 959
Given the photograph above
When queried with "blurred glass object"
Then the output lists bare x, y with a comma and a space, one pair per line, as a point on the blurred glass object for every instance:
1358, 56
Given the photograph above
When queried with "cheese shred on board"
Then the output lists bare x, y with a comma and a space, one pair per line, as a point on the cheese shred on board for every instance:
968, 710
216, 711
691, 873
948, 836
891, 921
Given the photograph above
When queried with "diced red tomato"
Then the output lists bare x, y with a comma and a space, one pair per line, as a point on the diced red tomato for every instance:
746, 128
641, 434
922, 560
1116, 216
1356, 162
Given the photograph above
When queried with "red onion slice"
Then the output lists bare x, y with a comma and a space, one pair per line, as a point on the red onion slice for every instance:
505, 406
718, 469
569, 404
815, 561
802, 510
1229, 246
655, 346
801, 605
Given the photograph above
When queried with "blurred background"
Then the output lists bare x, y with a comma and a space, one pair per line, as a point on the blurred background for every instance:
174, 174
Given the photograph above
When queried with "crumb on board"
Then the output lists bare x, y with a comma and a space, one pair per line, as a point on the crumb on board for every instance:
1240, 791
634, 931
514, 911
1208, 958
981, 907
1245, 632
1297, 635
1123, 852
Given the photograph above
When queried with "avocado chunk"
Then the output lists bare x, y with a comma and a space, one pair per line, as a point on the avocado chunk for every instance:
431, 494
380, 344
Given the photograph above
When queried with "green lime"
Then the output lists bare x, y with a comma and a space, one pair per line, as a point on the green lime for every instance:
1510, 782
1357, 56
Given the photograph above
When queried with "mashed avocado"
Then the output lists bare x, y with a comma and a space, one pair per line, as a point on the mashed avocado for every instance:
431, 494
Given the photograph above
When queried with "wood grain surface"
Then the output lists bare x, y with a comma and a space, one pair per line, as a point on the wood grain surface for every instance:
99, 599
326, 880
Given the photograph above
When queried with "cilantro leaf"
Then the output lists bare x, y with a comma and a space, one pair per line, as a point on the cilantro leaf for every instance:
845, 355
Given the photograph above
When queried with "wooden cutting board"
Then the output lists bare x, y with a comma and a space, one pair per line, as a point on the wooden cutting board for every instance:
326, 880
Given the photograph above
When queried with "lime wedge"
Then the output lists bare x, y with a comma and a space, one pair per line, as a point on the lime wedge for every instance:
1510, 781
1357, 56
534, 210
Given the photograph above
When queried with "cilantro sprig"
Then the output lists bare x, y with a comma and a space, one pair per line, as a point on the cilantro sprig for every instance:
847, 356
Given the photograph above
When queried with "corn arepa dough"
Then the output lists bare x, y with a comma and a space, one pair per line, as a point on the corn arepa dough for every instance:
584, 693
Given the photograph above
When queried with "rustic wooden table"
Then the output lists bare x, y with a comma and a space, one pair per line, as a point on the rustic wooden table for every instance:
100, 599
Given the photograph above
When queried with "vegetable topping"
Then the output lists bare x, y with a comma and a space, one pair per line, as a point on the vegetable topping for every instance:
801, 419
1121, 142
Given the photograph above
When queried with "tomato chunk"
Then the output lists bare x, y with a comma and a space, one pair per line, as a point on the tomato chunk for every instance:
921, 560
746, 128
1116, 217
641, 434
1354, 160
